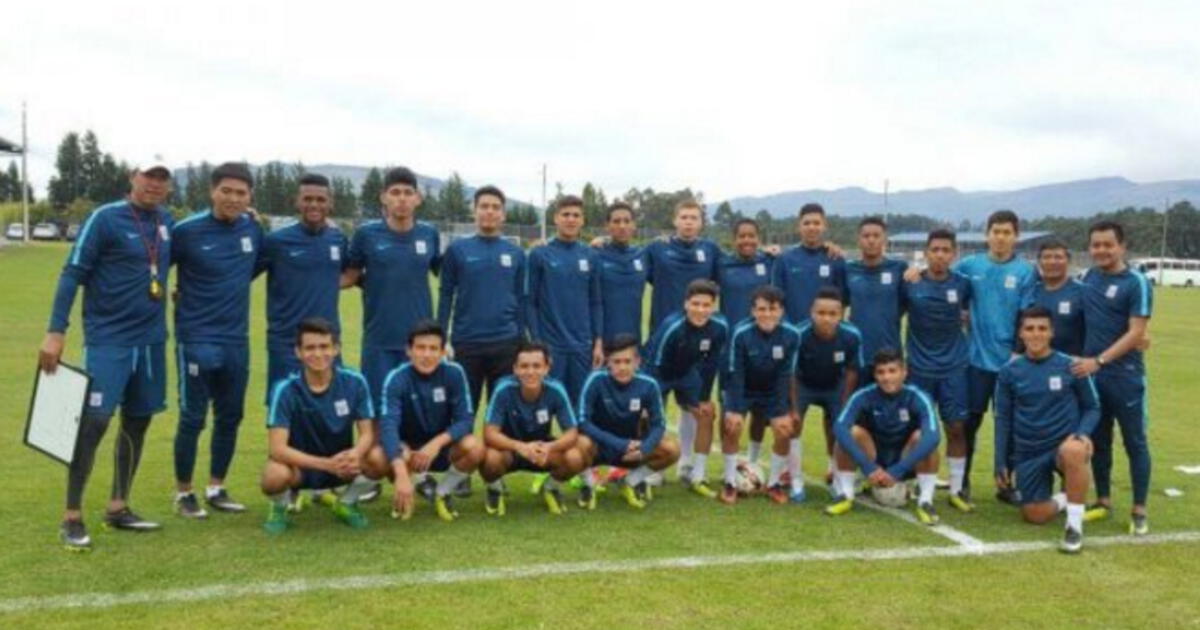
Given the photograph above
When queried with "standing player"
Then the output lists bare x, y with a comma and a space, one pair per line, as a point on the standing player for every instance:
304, 264
759, 382
888, 431
120, 259
426, 420
216, 254
310, 430
392, 259
937, 349
1060, 294
562, 284
482, 296
519, 434
622, 276
802, 270
621, 412
873, 286
1046, 414
1117, 306
829, 361
671, 266
684, 355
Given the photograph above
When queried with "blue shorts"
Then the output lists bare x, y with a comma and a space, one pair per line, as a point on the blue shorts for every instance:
282, 364
519, 463
948, 391
889, 453
689, 389
1035, 476
571, 368
981, 384
133, 377
319, 480
829, 400
606, 456
768, 407
376, 363
216, 373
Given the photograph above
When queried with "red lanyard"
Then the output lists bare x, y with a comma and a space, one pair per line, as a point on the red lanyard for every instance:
152, 244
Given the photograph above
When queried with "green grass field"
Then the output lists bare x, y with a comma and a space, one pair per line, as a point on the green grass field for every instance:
684, 562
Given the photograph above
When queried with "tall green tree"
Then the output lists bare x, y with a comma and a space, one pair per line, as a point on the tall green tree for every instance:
91, 168
452, 200
368, 196
345, 202
68, 183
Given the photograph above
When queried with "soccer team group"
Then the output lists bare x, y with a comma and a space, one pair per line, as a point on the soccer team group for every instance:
547, 345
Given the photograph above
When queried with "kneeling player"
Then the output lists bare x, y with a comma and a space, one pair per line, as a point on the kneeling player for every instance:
683, 355
888, 430
621, 412
518, 431
311, 427
762, 360
1046, 415
425, 423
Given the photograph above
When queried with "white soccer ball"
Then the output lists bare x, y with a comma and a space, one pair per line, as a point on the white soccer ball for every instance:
893, 497
749, 478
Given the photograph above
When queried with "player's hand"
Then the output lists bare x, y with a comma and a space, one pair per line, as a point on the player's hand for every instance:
912, 274
631, 457
402, 500
1003, 479
834, 250
597, 354
1085, 366
774, 250
881, 478
346, 464
1144, 344
599, 241
50, 352
420, 459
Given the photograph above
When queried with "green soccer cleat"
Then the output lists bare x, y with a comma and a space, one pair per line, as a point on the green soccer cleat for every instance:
959, 501
927, 514
631, 497
1139, 525
278, 520
554, 501
702, 488
349, 514
445, 508
587, 498
494, 503
1096, 512
839, 508
326, 498
539, 481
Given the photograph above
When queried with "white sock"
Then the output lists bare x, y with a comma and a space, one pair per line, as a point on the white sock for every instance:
1075, 516
211, 491
753, 451
589, 477
731, 469
1060, 501
281, 498
831, 468
958, 470
699, 467
687, 438
794, 459
497, 485
358, 487
926, 484
637, 475
450, 481
846, 481
778, 462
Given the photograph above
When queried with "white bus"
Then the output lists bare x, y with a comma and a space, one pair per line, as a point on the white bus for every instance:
1170, 272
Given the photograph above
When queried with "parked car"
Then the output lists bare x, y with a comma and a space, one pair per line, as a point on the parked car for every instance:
15, 232
73, 231
46, 232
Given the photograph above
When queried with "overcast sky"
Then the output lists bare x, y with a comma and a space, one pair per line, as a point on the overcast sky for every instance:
741, 98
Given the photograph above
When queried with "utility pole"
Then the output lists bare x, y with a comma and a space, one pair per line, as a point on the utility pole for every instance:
1162, 249
24, 172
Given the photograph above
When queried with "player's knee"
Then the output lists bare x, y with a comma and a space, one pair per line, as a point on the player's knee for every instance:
573, 460
585, 445
1039, 513
783, 429
732, 428
668, 450
276, 477
1073, 452
493, 465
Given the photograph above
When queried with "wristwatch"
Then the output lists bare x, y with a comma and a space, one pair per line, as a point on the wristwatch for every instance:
1100, 361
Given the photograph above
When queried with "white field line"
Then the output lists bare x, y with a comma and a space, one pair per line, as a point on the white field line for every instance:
352, 583
945, 531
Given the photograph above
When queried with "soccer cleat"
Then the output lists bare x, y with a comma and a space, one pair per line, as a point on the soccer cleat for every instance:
631, 497
587, 498
74, 536
222, 502
797, 495
1139, 525
277, 519
960, 502
1072, 541
427, 488
644, 491
493, 502
187, 506
927, 514
839, 508
729, 494
683, 473
349, 514
372, 494
445, 508
1096, 512
463, 489
124, 518
702, 488
297, 501
325, 497
539, 480
554, 501
777, 495
1009, 496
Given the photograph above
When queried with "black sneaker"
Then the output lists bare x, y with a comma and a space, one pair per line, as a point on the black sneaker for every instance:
372, 494
1009, 496
587, 497
464, 488
1072, 541
643, 491
74, 535
428, 489
1139, 525
188, 506
127, 520
222, 502
494, 502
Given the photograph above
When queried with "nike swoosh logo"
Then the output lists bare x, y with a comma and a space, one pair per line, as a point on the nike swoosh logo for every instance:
295, 254
207, 247
382, 247
473, 259
131, 235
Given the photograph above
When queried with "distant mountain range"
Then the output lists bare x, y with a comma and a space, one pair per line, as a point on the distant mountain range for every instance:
1079, 198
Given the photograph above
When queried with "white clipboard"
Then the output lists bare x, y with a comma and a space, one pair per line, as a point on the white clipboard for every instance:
55, 409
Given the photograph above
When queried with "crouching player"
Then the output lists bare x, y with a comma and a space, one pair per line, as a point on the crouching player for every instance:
762, 361
684, 354
1046, 415
621, 412
888, 430
425, 423
311, 426
518, 432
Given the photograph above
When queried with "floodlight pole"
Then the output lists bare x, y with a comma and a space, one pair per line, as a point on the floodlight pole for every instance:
24, 173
